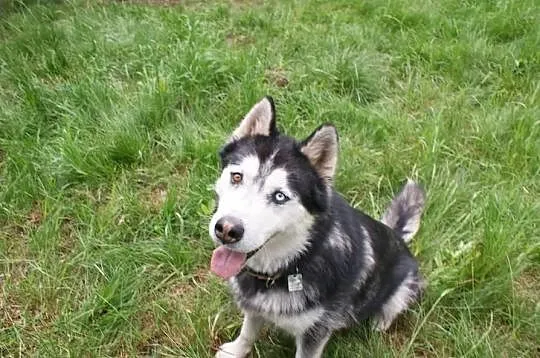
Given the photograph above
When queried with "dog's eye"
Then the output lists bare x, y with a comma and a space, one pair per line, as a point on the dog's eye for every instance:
279, 198
236, 178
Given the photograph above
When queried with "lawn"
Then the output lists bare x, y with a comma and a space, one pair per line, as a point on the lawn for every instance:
111, 116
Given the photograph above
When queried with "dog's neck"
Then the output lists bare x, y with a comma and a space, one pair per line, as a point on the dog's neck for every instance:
280, 251
269, 279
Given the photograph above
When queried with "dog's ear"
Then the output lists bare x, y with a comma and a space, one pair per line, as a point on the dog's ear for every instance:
321, 148
260, 120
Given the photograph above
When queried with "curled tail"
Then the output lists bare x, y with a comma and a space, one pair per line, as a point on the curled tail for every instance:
403, 214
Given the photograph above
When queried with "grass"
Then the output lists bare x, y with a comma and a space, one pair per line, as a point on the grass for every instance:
111, 115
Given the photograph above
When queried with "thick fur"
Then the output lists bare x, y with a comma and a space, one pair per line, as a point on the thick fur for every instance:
354, 268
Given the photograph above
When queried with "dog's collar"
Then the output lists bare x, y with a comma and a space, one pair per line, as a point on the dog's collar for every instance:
270, 279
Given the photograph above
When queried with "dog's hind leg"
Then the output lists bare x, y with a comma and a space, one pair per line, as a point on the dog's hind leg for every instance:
241, 346
407, 293
311, 343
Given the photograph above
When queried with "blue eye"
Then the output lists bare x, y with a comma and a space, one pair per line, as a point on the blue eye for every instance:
279, 198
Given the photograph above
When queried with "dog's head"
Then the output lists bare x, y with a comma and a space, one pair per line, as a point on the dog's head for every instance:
270, 190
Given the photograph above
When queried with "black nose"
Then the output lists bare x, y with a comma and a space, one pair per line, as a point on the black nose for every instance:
229, 229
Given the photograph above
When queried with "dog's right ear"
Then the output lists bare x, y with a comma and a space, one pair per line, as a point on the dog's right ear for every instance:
260, 120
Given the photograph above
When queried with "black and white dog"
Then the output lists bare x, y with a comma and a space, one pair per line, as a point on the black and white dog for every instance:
294, 252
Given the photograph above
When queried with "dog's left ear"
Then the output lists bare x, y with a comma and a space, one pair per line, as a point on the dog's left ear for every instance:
260, 120
321, 148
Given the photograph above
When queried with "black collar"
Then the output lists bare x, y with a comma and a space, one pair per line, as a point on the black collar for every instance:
270, 279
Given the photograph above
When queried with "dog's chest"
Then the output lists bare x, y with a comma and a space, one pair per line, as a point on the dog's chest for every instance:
296, 323
287, 310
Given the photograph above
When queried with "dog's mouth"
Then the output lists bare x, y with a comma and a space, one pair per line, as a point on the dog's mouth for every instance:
227, 263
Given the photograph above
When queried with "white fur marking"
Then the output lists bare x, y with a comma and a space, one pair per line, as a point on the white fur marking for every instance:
411, 228
277, 180
281, 231
276, 302
368, 259
284, 309
282, 248
397, 303
296, 323
338, 240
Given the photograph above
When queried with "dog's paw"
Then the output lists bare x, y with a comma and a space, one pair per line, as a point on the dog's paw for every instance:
233, 350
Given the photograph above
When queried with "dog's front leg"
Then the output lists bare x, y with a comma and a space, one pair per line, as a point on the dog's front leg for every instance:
241, 346
311, 343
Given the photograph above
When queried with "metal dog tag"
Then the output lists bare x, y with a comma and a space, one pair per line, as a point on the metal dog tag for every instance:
295, 282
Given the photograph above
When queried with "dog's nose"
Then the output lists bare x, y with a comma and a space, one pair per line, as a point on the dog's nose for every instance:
229, 229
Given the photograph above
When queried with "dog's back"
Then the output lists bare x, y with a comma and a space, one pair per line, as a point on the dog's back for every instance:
358, 268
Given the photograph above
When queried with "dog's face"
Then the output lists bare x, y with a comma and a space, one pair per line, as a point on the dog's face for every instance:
271, 186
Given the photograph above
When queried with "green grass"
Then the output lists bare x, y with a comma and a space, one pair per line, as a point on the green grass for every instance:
111, 115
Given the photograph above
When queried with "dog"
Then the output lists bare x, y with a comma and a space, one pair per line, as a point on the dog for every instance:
294, 252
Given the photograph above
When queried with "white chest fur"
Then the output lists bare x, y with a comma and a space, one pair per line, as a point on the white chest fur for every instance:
295, 323
286, 310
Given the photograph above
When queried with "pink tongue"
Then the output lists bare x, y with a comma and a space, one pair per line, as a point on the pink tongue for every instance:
227, 263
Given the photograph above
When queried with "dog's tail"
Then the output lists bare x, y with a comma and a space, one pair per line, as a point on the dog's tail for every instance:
403, 214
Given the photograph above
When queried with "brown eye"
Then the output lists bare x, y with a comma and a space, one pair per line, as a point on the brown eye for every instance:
236, 178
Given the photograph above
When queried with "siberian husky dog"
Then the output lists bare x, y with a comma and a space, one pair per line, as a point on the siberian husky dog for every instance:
294, 252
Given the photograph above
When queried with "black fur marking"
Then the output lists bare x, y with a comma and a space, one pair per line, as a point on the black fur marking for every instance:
327, 124
312, 339
273, 128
